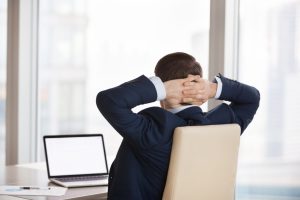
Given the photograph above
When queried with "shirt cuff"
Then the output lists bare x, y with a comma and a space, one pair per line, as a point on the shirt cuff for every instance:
219, 88
159, 86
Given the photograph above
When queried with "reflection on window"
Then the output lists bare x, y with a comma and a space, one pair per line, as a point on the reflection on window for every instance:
269, 59
89, 45
3, 29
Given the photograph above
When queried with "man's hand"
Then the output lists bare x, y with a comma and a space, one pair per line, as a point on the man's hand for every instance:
174, 92
198, 91
192, 90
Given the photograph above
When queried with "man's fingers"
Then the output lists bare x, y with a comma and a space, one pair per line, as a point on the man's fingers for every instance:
191, 78
187, 100
188, 83
194, 82
193, 101
191, 92
193, 86
194, 93
198, 97
195, 97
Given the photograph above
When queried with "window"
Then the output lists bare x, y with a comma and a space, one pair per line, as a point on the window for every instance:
3, 29
269, 59
86, 46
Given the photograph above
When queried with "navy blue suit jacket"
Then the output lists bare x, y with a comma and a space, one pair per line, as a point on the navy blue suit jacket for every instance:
140, 168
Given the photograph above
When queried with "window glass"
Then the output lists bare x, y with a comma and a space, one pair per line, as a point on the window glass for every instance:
269, 58
86, 46
3, 29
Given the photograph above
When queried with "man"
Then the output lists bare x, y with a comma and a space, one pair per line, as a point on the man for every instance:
140, 168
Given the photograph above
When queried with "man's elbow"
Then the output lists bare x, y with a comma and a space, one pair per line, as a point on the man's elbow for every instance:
100, 100
255, 104
257, 97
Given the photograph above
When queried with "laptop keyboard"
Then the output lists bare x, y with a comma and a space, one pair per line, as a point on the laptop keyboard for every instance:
81, 178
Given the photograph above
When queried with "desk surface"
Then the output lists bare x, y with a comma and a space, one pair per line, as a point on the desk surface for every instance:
36, 174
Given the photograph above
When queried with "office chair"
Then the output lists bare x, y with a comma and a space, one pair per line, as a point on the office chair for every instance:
203, 163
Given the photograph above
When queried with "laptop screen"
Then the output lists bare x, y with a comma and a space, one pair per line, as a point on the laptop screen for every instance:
68, 155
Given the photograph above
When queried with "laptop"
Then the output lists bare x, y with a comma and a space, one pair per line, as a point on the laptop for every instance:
76, 160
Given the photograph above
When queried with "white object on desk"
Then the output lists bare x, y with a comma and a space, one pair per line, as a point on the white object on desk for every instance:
32, 190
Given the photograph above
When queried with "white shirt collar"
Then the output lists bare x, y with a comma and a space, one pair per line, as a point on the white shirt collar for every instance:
176, 110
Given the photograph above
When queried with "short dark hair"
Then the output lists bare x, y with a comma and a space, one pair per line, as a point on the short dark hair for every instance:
177, 66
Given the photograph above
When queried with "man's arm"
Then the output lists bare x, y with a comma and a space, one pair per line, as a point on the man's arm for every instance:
244, 100
116, 103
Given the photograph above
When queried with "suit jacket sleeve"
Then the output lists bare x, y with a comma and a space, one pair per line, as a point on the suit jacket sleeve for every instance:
244, 101
115, 104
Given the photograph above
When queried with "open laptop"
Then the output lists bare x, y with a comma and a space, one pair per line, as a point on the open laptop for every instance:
76, 160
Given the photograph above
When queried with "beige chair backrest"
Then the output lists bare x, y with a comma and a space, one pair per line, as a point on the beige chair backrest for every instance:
203, 163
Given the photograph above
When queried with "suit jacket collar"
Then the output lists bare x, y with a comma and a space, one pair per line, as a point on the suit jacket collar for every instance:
193, 113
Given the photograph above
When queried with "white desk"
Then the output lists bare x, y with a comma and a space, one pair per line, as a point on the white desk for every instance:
36, 174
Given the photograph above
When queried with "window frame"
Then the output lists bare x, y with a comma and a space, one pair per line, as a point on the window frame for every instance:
21, 90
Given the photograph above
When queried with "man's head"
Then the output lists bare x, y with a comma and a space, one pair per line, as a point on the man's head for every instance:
177, 66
